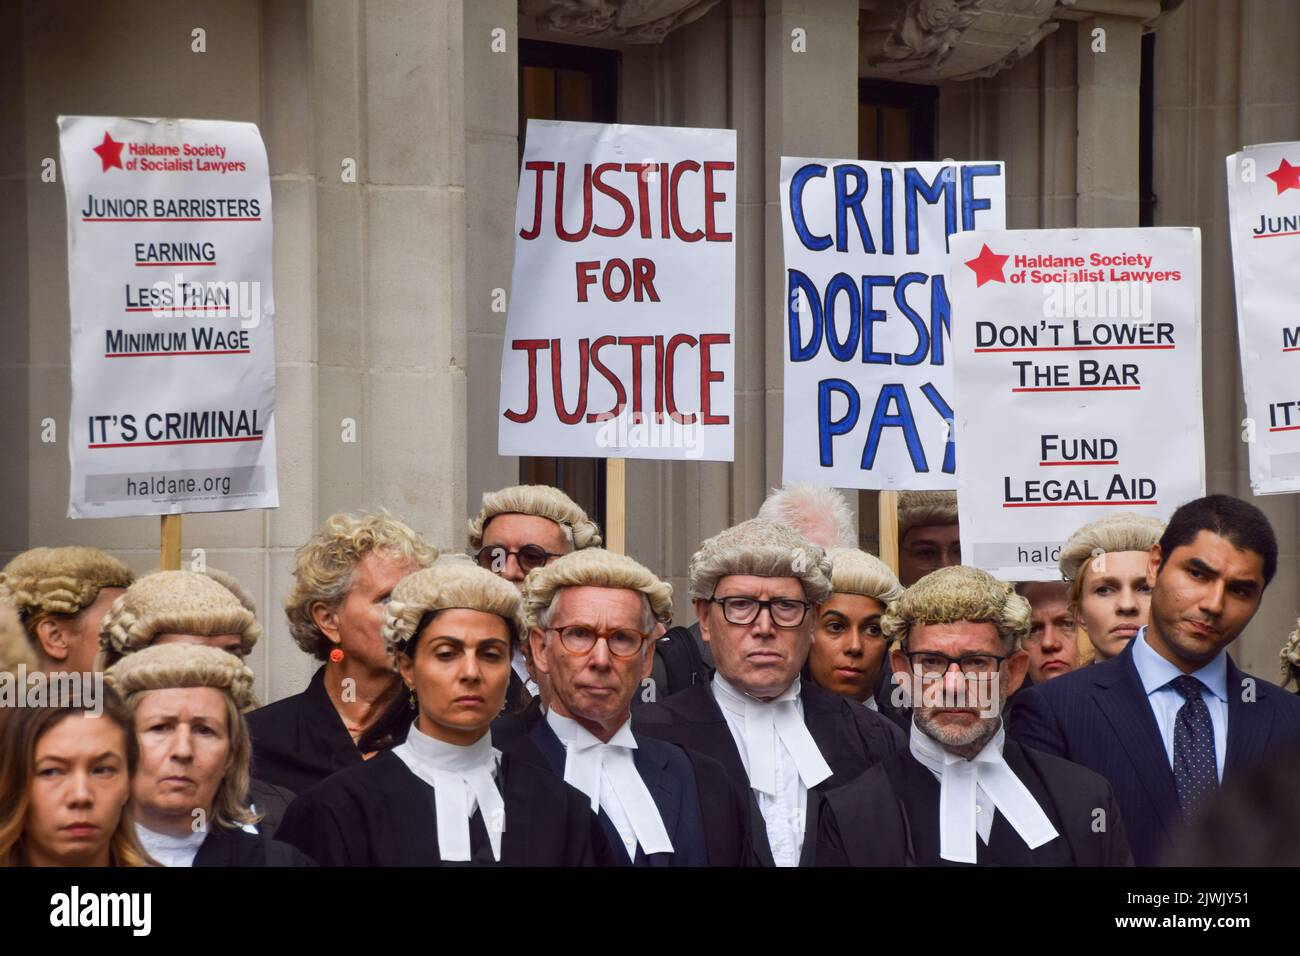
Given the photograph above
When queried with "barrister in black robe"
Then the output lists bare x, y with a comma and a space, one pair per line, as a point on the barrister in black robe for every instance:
446, 795
890, 817
382, 814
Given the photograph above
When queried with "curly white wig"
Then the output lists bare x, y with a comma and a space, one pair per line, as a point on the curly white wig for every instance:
1122, 531
597, 568
542, 501
959, 593
447, 584
763, 549
856, 572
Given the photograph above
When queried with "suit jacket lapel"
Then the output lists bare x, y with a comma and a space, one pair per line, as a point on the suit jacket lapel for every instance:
1119, 693
1249, 721
552, 750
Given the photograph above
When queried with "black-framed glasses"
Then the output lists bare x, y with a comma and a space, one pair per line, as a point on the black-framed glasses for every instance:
931, 665
741, 610
580, 639
530, 556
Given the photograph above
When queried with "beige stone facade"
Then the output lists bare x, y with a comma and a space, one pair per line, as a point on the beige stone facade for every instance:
385, 286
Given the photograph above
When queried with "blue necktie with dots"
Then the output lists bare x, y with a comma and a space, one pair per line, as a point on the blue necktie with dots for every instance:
1196, 771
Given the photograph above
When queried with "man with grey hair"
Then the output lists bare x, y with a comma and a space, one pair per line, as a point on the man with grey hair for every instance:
592, 616
962, 793
785, 741
819, 514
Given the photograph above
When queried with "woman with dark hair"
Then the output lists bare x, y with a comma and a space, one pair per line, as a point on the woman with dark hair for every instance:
65, 786
445, 795
191, 783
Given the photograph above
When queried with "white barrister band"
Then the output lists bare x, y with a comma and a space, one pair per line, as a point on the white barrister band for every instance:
462, 778
609, 769
779, 718
960, 781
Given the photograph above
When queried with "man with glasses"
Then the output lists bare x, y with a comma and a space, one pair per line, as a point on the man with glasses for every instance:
928, 535
962, 792
517, 530
592, 616
784, 741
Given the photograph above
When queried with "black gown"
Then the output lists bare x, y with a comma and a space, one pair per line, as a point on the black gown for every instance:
301, 740
227, 846
382, 814
889, 816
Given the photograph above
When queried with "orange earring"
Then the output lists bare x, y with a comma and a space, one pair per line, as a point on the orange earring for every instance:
336, 655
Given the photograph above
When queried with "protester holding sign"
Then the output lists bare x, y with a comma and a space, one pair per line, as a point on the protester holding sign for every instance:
622, 303
868, 376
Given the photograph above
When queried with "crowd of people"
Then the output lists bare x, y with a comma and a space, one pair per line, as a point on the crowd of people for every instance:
531, 701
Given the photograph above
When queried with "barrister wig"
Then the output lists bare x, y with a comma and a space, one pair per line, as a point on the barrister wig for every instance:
60, 580
596, 568
1122, 531
173, 602
856, 572
542, 501
921, 509
167, 666
448, 584
762, 549
15, 648
959, 593
818, 513
1291, 659
326, 563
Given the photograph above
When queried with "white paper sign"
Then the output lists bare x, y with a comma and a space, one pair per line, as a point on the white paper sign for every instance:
169, 285
867, 316
620, 334
1264, 214
1078, 383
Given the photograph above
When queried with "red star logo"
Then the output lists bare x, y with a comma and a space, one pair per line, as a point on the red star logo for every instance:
1286, 177
110, 153
988, 266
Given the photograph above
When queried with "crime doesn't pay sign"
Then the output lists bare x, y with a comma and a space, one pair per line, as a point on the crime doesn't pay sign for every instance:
867, 316
1078, 386
619, 336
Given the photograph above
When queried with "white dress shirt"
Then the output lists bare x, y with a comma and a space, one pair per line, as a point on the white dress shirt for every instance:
783, 773
170, 850
1155, 673
970, 793
606, 773
520, 667
462, 778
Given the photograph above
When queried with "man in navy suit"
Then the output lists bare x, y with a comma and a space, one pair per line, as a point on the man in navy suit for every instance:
592, 616
1172, 717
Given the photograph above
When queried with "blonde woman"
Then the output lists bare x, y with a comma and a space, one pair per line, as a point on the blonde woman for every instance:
191, 782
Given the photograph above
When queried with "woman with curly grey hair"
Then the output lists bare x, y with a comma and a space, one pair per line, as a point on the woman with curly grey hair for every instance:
446, 796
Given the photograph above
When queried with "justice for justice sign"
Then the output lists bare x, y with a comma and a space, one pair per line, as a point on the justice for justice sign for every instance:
169, 287
1264, 214
1078, 386
622, 301
867, 316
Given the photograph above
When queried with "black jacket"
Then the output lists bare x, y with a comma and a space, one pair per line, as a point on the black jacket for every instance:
226, 846
381, 814
890, 817
850, 737
704, 812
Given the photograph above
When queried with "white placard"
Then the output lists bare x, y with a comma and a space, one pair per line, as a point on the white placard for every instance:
620, 335
1264, 222
867, 317
1078, 383
169, 288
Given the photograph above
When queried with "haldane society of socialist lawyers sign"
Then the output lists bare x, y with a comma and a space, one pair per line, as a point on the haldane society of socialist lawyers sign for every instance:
169, 284
867, 316
1078, 386
1264, 222
622, 301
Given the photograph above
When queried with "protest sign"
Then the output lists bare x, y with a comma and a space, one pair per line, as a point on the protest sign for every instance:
619, 337
868, 375
1078, 386
1264, 223
169, 288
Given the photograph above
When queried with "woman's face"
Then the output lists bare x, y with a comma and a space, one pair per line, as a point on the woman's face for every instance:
848, 647
80, 783
185, 751
459, 672
1114, 600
